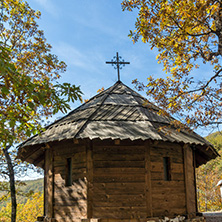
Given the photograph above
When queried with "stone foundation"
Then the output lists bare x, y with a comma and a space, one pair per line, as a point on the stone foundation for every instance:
155, 219
213, 217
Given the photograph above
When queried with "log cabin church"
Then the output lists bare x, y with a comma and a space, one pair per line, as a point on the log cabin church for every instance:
109, 160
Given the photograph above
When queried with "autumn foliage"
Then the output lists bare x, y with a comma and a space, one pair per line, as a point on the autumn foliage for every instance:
27, 212
29, 87
187, 34
208, 175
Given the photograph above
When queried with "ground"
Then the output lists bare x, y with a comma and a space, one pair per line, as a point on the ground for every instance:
213, 217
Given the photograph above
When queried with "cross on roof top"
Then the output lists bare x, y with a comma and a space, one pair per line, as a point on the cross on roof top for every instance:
117, 62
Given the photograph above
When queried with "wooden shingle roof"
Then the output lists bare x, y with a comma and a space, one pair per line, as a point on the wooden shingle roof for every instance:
116, 113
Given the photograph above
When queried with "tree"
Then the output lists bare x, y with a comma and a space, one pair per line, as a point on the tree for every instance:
208, 175
28, 87
186, 33
27, 211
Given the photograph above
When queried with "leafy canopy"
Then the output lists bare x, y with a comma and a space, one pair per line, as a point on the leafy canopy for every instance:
28, 87
28, 211
28, 74
186, 34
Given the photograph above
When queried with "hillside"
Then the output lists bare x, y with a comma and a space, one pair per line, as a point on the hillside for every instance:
208, 175
34, 185
215, 139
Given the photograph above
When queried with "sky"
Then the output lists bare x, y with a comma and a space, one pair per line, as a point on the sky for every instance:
85, 34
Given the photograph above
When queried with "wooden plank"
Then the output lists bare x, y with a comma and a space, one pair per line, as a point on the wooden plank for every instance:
60, 180
110, 142
175, 167
63, 196
156, 166
148, 191
68, 150
194, 174
89, 169
78, 159
59, 161
157, 176
119, 212
75, 176
121, 203
44, 190
67, 144
169, 212
62, 170
119, 178
119, 149
170, 184
99, 197
122, 170
76, 165
117, 164
70, 211
177, 176
70, 202
120, 157
26, 153
189, 180
119, 188
160, 176
49, 194
165, 152
158, 158
165, 190
173, 188
169, 204
164, 144
67, 192
118, 200
39, 159
159, 197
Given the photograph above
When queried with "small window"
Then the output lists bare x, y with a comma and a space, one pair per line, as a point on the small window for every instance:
166, 168
68, 171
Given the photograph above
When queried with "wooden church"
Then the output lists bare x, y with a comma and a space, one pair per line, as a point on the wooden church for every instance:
109, 161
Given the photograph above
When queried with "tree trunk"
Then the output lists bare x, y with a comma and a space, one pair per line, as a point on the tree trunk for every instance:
12, 183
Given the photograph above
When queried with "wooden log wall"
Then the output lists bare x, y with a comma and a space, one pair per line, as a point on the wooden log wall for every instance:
168, 197
119, 180
190, 180
122, 180
48, 183
70, 201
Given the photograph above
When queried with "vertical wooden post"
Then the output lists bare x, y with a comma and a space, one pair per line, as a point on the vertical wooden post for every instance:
49, 177
189, 181
44, 190
195, 182
148, 191
89, 170
185, 175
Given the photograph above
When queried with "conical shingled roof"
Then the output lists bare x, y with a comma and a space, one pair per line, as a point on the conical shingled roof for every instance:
116, 113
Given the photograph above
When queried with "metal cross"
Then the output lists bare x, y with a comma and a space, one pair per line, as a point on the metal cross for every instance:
117, 61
